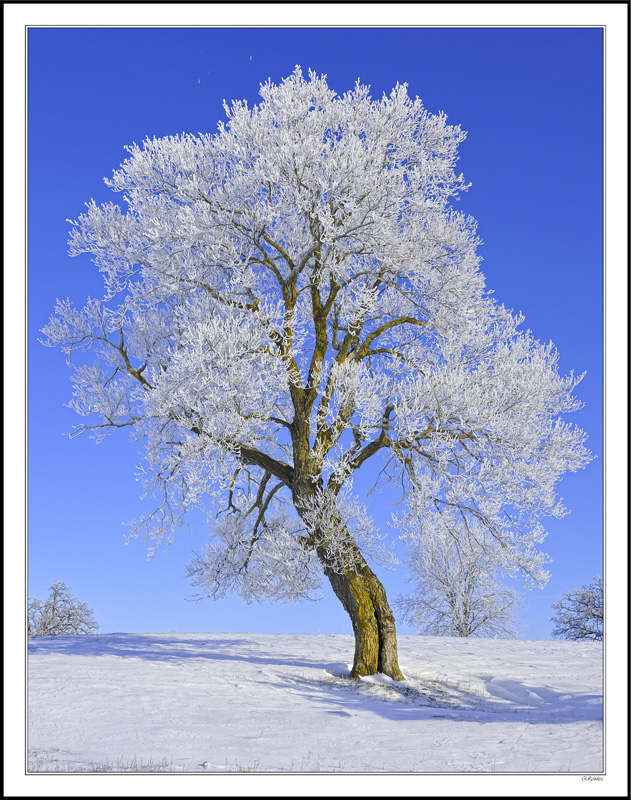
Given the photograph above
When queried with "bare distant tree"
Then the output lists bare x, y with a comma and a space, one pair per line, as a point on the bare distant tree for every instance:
60, 614
457, 591
579, 614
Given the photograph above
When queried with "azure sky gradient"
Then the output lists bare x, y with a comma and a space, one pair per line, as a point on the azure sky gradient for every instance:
531, 101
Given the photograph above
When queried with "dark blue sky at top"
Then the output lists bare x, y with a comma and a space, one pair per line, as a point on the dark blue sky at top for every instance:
531, 102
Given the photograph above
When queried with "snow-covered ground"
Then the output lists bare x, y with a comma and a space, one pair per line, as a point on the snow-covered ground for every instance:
211, 702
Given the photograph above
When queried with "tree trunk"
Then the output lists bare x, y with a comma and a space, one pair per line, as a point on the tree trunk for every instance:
360, 592
364, 598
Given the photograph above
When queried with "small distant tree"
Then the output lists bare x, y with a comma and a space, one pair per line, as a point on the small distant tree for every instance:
60, 614
579, 614
457, 591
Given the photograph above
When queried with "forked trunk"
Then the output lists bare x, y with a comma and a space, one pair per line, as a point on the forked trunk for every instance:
364, 598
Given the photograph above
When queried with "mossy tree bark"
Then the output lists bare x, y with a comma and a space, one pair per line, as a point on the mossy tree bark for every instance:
364, 599
362, 596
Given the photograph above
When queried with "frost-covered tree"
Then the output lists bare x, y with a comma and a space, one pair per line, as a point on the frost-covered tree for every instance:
293, 299
457, 590
579, 613
60, 614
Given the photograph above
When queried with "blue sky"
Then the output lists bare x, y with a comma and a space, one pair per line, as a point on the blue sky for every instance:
531, 101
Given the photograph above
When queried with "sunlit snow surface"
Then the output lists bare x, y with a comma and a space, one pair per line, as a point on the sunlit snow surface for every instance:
196, 702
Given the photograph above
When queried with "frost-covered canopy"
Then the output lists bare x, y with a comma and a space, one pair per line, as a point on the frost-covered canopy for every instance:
293, 298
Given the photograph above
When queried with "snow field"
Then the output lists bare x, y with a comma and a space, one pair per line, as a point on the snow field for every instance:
213, 702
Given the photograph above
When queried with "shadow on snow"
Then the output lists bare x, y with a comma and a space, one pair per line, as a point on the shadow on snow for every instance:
493, 700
